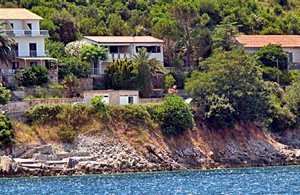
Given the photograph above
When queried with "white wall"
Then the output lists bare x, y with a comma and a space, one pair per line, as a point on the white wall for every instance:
23, 43
21, 25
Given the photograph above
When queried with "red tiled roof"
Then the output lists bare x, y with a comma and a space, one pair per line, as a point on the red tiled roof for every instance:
257, 41
124, 39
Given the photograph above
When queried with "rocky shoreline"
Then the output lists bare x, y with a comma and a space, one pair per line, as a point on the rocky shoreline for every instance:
92, 155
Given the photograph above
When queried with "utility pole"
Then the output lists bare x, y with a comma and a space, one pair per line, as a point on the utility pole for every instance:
277, 71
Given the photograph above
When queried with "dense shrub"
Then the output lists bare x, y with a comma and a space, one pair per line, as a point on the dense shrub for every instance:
5, 94
219, 112
131, 114
6, 131
98, 104
66, 133
175, 116
35, 75
75, 66
169, 82
43, 112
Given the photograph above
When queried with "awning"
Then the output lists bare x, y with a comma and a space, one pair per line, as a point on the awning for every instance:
36, 58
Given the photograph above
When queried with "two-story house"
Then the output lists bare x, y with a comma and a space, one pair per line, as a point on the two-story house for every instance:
23, 27
120, 47
289, 43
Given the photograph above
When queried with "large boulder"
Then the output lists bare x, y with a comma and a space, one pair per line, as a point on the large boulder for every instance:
7, 164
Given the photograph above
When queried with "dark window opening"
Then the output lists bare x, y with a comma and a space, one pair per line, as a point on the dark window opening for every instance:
12, 25
48, 64
15, 49
150, 49
33, 63
130, 100
15, 65
113, 49
33, 49
29, 26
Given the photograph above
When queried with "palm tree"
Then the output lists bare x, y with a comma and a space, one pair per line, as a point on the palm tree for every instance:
6, 54
144, 57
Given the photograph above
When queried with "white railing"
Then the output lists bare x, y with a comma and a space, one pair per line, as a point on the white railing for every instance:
8, 71
28, 33
116, 56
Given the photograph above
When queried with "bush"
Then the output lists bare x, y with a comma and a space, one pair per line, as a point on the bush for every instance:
175, 116
43, 112
66, 134
219, 112
35, 75
5, 94
180, 78
169, 82
98, 104
75, 66
132, 114
6, 131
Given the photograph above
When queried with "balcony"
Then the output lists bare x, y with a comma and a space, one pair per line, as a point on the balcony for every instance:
26, 33
117, 56
33, 53
8, 72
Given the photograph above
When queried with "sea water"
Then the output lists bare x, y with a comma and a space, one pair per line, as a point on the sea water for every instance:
272, 180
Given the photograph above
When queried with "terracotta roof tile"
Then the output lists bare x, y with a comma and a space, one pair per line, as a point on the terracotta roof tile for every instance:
124, 39
257, 41
17, 14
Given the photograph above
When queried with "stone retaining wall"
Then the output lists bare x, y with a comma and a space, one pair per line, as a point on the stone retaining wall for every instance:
22, 106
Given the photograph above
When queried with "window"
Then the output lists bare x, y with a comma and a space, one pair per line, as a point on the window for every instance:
15, 65
290, 57
32, 49
33, 63
15, 49
113, 49
130, 100
29, 26
12, 25
150, 49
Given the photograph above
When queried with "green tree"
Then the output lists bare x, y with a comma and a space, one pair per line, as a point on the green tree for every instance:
93, 53
5, 94
6, 56
143, 56
270, 54
122, 74
169, 82
223, 36
175, 116
75, 66
234, 76
56, 49
71, 82
35, 75
6, 131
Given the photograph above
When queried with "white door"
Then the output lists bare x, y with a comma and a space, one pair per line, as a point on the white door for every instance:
123, 100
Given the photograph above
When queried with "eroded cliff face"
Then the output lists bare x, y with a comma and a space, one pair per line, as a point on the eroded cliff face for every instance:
121, 148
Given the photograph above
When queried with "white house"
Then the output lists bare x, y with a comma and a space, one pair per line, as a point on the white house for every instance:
120, 47
23, 27
289, 43
113, 97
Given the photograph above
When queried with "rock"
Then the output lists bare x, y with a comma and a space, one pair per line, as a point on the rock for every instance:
7, 164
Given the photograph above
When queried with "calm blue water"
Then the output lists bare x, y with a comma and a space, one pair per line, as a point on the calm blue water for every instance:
277, 180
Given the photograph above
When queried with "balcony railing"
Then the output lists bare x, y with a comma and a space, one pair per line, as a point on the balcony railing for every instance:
116, 56
28, 33
8, 72
33, 53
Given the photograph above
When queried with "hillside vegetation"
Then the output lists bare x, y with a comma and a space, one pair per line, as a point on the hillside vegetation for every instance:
188, 27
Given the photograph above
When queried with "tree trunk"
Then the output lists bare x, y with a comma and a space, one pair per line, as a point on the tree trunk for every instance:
188, 52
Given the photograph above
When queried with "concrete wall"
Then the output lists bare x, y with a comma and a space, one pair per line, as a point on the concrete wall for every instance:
114, 96
17, 107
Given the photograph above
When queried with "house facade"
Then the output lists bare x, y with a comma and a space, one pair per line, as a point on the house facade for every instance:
120, 47
289, 43
23, 27
113, 97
